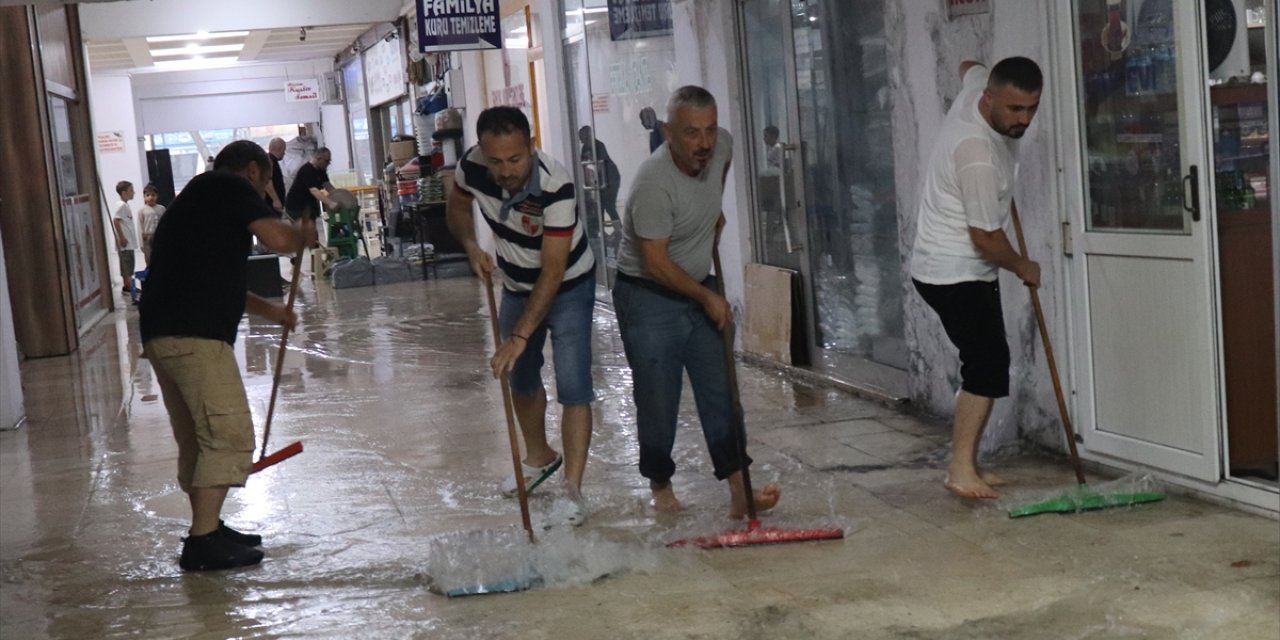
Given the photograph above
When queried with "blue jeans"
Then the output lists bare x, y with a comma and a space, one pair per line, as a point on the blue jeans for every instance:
569, 321
665, 335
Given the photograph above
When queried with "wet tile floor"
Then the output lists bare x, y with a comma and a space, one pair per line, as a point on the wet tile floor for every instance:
406, 444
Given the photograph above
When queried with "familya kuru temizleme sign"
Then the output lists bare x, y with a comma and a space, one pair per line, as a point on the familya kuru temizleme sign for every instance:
458, 25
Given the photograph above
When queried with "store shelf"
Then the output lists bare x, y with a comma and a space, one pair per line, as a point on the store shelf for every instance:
1238, 93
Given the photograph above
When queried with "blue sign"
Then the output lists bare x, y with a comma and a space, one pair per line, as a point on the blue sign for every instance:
458, 25
630, 19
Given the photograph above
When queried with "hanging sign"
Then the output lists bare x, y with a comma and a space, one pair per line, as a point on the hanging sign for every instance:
630, 19
110, 141
384, 72
458, 25
301, 90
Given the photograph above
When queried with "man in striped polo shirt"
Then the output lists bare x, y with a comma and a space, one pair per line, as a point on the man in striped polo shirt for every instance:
548, 286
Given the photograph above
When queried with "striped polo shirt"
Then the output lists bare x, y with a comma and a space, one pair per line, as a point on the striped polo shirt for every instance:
546, 206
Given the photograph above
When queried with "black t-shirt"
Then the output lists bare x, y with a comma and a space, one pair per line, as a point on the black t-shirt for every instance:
308, 178
277, 181
197, 277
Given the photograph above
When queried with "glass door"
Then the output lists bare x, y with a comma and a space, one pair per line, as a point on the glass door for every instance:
825, 188
618, 81
1142, 273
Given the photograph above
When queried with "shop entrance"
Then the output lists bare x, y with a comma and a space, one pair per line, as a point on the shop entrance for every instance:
817, 82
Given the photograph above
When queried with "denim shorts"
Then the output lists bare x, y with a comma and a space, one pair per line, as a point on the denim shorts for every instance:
569, 322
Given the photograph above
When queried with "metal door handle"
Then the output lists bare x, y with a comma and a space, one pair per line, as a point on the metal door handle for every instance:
1194, 206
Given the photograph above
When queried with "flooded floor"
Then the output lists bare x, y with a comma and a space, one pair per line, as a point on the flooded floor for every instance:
406, 446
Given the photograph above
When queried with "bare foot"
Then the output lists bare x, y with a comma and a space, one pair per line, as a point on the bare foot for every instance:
765, 500
992, 479
664, 498
970, 486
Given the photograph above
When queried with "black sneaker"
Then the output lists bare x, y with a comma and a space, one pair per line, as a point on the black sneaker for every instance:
246, 539
212, 552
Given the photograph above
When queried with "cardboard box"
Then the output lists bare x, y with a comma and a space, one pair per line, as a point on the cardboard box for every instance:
403, 151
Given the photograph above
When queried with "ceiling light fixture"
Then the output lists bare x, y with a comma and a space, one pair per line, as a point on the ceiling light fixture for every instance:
203, 35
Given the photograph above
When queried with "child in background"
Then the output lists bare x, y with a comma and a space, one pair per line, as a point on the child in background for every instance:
149, 216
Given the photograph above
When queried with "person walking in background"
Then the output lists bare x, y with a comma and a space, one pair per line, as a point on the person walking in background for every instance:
961, 245
649, 120
276, 192
604, 169
126, 233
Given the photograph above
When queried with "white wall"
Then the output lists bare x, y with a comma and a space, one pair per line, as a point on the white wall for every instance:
706, 55
223, 98
111, 103
11, 404
333, 134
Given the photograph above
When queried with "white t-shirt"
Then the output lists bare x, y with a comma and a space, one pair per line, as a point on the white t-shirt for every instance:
968, 183
124, 214
150, 217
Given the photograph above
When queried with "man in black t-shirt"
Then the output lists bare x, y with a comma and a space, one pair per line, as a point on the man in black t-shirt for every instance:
275, 192
307, 185
195, 296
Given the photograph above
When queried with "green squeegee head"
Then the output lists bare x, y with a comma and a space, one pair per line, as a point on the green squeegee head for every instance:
1084, 498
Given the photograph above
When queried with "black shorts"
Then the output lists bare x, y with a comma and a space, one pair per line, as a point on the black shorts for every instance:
974, 321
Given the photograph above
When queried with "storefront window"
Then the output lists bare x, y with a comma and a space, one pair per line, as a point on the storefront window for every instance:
358, 120
185, 158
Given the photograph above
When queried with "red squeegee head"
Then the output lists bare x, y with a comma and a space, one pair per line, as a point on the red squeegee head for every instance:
755, 534
277, 457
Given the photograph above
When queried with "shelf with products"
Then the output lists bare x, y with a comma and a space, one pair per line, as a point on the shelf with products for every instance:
1241, 147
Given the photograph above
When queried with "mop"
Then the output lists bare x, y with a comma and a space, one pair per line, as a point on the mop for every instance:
754, 533
294, 448
524, 576
1082, 497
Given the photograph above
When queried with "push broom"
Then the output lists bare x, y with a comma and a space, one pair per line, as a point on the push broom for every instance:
754, 533
1082, 497
295, 447
526, 578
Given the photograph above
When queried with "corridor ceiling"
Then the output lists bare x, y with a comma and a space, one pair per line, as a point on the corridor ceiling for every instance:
135, 35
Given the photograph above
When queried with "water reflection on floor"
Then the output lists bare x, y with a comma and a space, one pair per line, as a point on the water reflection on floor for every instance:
406, 444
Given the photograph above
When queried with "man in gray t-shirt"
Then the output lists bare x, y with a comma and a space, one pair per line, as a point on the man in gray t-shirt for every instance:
669, 312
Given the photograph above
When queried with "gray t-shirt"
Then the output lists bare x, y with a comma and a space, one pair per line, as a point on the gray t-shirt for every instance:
665, 203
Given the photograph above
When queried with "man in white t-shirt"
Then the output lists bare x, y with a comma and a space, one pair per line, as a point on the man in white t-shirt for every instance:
961, 245
126, 232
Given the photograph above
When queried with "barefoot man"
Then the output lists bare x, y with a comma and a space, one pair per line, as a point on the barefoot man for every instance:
961, 245
668, 310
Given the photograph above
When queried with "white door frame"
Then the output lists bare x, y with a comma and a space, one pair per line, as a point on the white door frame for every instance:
1203, 465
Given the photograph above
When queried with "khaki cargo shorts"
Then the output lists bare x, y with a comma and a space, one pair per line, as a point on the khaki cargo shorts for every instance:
200, 381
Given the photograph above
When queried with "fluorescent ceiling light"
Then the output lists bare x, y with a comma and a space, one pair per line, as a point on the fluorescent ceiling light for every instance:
195, 49
203, 35
184, 64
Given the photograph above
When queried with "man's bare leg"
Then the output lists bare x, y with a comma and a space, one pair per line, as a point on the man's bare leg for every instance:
531, 413
765, 498
963, 478
664, 497
206, 508
575, 434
